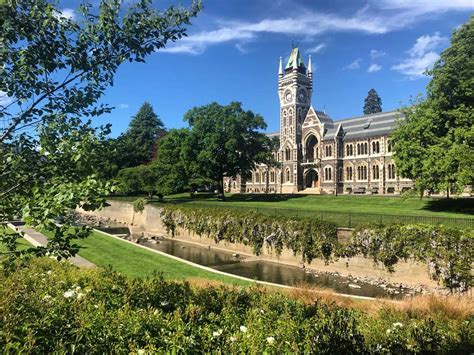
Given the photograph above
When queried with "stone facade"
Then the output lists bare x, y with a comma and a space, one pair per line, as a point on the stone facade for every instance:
318, 155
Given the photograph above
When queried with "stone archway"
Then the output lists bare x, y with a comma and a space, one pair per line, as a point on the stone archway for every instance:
311, 148
311, 179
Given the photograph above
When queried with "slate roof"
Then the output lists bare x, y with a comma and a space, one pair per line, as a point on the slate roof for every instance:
295, 60
377, 124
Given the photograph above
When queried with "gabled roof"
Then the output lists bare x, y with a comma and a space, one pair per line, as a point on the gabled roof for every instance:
295, 60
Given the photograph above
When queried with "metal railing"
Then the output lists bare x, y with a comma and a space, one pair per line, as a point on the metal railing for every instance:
346, 219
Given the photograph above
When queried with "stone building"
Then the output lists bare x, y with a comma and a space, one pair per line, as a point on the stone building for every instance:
321, 156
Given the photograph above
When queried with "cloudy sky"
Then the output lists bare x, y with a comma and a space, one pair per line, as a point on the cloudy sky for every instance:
233, 49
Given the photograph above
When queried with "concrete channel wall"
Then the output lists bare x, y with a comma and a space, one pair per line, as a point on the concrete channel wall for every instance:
148, 222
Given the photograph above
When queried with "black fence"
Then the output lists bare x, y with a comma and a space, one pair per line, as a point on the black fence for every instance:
348, 219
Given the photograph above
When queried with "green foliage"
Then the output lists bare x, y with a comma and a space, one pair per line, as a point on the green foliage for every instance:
54, 72
225, 141
309, 238
138, 179
372, 103
53, 307
435, 144
448, 252
138, 144
139, 205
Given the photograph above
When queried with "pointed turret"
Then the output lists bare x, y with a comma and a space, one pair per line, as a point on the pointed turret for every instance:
310, 66
295, 62
280, 68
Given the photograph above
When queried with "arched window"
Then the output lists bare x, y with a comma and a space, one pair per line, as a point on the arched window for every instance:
391, 171
347, 150
389, 146
327, 174
358, 173
365, 148
375, 172
287, 177
373, 147
358, 149
365, 171
272, 176
377, 146
257, 177
287, 154
234, 185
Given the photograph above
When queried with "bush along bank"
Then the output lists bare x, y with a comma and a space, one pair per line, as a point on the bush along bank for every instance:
53, 307
448, 252
310, 238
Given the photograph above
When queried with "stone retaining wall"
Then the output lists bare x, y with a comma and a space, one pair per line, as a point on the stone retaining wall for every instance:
149, 222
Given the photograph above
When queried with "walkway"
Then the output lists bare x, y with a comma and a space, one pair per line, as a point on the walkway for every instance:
38, 239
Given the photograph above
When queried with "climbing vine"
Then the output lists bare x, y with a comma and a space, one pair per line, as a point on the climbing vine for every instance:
448, 252
309, 238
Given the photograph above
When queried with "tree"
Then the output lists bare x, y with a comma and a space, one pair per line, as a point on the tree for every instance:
225, 141
434, 145
54, 71
138, 179
372, 103
138, 144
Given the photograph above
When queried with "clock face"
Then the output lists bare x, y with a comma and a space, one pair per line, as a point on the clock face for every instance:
288, 96
302, 96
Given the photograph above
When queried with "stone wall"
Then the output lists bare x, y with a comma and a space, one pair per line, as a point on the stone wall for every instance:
149, 222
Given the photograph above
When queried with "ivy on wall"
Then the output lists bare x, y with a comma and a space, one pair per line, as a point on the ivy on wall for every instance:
307, 237
448, 252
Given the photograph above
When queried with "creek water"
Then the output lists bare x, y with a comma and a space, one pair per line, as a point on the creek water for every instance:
266, 270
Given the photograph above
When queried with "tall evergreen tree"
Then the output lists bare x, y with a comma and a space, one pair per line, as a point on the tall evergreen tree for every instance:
138, 144
435, 144
372, 103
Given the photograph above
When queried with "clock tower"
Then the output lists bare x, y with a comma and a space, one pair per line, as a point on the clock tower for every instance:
295, 86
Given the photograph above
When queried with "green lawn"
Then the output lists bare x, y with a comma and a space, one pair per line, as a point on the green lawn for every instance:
133, 261
347, 211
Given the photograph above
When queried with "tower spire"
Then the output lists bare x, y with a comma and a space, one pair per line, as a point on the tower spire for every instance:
310, 65
280, 68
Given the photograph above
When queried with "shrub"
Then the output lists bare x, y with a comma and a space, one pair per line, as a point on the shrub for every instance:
54, 307
310, 238
448, 252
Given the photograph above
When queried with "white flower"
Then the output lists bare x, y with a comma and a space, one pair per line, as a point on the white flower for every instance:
397, 324
388, 331
232, 339
80, 295
49, 272
262, 311
46, 297
270, 340
69, 293
96, 306
141, 351
243, 328
164, 303
215, 334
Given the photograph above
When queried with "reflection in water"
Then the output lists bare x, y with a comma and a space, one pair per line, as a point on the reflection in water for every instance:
196, 254
264, 270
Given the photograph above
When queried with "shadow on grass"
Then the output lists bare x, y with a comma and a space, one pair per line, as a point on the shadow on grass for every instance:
454, 205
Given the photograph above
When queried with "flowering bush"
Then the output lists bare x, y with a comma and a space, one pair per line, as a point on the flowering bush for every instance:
448, 252
54, 307
310, 238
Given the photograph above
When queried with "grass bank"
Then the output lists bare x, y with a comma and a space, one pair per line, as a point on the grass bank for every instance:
130, 260
345, 211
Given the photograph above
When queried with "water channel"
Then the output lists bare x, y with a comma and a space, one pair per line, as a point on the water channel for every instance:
265, 270
258, 269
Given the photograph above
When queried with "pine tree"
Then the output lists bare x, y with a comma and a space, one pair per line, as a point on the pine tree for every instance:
138, 144
372, 103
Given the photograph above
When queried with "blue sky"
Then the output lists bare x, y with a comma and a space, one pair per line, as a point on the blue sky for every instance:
233, 49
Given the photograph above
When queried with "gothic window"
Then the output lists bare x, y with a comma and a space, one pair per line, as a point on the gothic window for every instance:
358, 149
328, 151
375, 172
257, 178
349, 173
358, 173
328, 174
272, 176
377, 147
389, 146
287, 175
366, 151
347, 150
391, 171
234, 184
287, 154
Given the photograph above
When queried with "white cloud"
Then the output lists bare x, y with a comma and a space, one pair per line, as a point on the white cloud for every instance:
374, 54
317, 48
425, 44
4, 99
422, 56
374, 68
123, 106
425, 5
354, 65
66, 13
414, 67
379, 17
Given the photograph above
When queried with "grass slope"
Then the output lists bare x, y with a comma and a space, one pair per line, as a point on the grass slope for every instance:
131, 260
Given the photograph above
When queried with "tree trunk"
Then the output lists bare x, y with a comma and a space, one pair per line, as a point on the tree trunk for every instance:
221, 194
447, 193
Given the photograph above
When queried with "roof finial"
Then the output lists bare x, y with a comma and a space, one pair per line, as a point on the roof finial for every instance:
310, 66
280, 68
